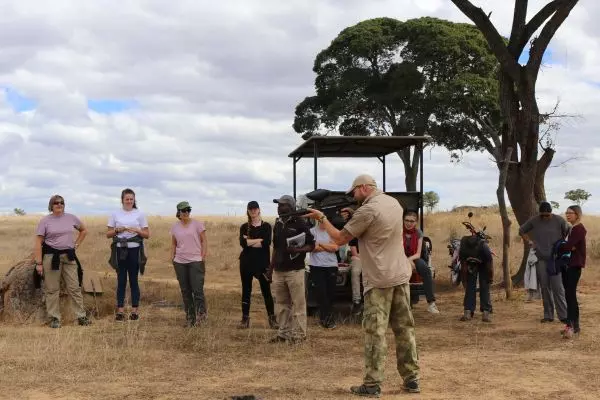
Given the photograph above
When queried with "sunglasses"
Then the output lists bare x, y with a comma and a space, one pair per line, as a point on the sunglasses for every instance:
56, 203
186, 210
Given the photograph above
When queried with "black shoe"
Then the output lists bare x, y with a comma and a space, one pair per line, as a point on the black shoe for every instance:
84, 321
564, 321
357, 308
55, 323
544, 320
366, 391
244, 323
134, 316
412, 386
119, 316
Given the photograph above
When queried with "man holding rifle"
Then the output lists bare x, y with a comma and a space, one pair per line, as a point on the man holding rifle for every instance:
292, 239
377, 223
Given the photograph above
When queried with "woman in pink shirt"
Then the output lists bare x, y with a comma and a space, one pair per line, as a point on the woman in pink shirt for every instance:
188, 252
55, 259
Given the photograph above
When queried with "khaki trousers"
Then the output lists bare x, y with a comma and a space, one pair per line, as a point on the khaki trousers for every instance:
290, 303
68, 273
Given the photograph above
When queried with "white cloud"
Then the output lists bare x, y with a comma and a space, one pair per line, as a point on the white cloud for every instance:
216, 85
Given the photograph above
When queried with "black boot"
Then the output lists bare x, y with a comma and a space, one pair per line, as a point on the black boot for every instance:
244, 323
273, 322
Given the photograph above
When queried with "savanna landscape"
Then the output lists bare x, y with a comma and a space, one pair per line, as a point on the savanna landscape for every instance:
514, 357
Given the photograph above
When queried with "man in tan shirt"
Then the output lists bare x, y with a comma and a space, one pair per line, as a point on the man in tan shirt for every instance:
377, 224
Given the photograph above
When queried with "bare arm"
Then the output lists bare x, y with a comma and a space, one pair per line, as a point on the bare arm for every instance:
204, 244
82, 234
330, 247
173, 247
354, 251
37, 253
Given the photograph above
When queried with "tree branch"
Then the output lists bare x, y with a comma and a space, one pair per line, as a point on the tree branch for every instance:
516, 48
497, 45
544, 162
538, 47
565, 162
518, 27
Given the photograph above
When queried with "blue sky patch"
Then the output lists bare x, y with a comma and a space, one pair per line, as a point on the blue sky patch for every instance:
546, 58
109, 106
17, 101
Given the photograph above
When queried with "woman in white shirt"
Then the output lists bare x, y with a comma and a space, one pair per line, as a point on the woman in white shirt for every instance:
128, 228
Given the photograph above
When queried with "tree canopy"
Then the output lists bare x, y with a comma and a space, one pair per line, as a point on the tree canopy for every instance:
423, 76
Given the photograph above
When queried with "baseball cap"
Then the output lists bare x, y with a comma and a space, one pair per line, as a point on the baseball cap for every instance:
364, 179
182, 205
252, 205
286, 199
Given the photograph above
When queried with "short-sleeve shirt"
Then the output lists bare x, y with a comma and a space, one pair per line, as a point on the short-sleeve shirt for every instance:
57, 231
322, 258
545, 232
127, 219
378, 225
189, 246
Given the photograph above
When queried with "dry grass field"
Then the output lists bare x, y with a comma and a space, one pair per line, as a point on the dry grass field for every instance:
514, 357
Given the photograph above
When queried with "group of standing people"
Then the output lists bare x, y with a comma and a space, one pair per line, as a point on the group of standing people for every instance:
56, 259
552, 236
378, 227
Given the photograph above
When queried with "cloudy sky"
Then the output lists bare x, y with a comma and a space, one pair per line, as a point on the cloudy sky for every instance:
194, 100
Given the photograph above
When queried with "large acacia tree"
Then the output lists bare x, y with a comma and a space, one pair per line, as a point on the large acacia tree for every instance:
387, 77
521, 117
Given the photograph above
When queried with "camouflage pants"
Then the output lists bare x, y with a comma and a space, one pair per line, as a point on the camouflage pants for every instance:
383, 306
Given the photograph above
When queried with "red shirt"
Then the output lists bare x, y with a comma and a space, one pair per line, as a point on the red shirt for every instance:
576, 244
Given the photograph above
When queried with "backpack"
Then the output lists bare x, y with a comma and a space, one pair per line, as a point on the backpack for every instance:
559, 260
470, 249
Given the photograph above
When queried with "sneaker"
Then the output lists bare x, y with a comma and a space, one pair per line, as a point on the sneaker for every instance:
134, 316
529, 296
433, 308
357, 307
84, 321
568, 333
328, 325
412, 386
366, 391
244, 323
120, 316
544, 320
55, 323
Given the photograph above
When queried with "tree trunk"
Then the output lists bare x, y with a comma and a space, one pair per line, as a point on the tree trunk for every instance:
540, 175
411, 169
503, 166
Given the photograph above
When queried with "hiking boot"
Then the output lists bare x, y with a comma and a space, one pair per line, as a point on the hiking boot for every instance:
278, 339
55, 323
486, 317
366, 391
467, 316
84, 321
273, 322
134, 316
120, 316
432, 308
357, 307
244, 323
412, 386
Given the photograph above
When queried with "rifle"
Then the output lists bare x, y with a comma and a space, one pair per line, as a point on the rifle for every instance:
330, 208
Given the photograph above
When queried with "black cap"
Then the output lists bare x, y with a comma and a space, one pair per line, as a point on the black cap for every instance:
545, 207
252, 204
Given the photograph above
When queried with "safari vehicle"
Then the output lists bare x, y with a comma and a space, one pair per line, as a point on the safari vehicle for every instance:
360, 147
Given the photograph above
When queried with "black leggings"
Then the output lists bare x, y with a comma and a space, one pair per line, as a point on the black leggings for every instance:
570, 278
247, 274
